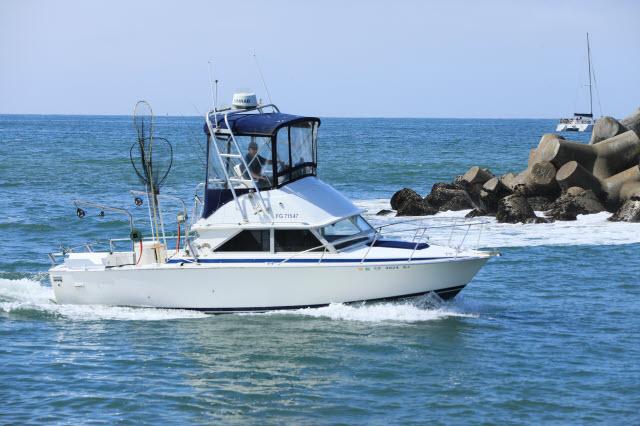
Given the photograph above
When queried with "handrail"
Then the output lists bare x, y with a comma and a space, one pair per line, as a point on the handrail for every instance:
455, 222
420, 234
303, 252
196, 201
435, 219
373, 243
79, 203
169, 237
464, 238
230, 110
169, 197
419, 228
415, 247
245, 166
419, 238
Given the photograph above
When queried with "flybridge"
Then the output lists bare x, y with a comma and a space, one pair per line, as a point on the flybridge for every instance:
256, 149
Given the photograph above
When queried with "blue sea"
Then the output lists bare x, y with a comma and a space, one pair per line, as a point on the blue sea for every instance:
548, 333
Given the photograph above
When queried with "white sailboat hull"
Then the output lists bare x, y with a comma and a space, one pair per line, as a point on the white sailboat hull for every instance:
574, 127
261, 287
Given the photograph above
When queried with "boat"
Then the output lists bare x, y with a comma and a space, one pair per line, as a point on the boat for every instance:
268, 233
581, 121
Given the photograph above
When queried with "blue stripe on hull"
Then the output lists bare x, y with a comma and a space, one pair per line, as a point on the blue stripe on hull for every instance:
253, 260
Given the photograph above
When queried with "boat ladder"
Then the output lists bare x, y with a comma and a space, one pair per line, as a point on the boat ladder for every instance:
255, 197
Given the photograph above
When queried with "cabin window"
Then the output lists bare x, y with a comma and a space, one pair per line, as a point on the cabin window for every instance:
295, 240
248, 240
353, 229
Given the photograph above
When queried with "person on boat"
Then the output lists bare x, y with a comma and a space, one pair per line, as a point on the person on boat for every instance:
255, 163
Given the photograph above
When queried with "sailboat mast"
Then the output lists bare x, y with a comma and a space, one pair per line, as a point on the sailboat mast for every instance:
590, 88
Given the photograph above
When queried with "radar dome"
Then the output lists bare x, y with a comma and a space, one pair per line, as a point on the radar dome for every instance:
244, 100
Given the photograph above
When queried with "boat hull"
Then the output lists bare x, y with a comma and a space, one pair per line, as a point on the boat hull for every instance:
262, 287
573, 127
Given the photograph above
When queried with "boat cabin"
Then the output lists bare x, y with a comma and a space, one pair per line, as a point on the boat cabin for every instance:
256, 150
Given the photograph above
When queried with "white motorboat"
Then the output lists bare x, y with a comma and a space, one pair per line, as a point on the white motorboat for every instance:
271, 235
581, 121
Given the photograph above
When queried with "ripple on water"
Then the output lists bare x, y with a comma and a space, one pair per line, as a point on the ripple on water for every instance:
545, 334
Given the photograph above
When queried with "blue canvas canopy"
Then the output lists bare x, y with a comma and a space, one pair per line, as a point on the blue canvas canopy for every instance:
266, 124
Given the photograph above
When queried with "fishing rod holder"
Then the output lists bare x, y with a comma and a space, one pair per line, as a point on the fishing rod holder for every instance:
80, 203
184, 213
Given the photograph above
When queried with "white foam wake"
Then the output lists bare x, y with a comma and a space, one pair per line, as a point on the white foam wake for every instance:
379, 312
592, 229
24, 296
27, 296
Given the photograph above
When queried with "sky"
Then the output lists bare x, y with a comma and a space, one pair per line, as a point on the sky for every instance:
453, 59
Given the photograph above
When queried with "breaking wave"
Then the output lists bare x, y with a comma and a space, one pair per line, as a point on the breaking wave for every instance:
405, 312
592, 229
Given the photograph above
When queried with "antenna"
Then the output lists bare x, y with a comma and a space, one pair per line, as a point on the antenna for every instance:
262, 77
590, 89
214, 93
213, 98
216, 96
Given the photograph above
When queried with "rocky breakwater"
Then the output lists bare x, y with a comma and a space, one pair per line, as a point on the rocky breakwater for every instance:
562, 179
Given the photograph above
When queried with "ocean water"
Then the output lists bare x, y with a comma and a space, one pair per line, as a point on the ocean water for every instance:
548, 333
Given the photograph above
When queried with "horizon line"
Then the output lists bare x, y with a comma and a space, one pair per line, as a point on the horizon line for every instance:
320, 116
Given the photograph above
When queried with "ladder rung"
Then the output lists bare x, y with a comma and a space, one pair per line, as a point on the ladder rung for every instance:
245, 182
231, 155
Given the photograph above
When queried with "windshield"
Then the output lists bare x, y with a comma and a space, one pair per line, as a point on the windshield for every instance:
271, 161
257, 154
296, 148
355, 227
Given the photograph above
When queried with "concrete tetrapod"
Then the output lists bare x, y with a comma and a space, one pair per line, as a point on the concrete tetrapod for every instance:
542, 177
603, 159
632, 122
605, 128
539, 179
492, 191
535, 155
622, 186
616, 189
477, 175
509, 180
573, 174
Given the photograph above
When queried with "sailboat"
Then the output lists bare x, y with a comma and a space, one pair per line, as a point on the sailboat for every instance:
581, 121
